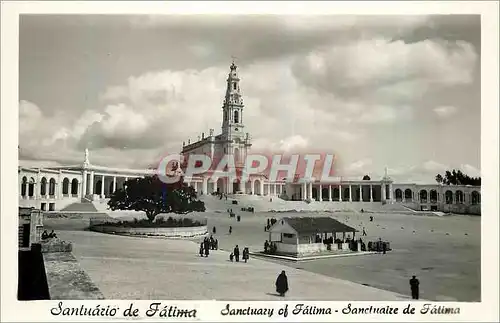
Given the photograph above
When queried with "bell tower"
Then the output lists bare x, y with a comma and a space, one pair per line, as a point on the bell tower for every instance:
232, 109
236, 141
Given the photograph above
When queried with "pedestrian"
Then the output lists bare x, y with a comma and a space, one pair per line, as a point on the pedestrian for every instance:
206, 246
230, 229
282, 284
414, 282
236, 252
266, 246
214, 230
384, 247
245, 254
231, 257
201, 249
364, 232
216, 244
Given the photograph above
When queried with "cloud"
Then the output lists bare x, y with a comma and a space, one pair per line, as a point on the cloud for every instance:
355, 85
445, 111
378, 64
470, 170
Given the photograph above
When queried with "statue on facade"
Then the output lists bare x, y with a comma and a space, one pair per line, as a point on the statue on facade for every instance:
86, 161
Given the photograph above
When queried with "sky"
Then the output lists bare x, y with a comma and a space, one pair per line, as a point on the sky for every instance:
401, 92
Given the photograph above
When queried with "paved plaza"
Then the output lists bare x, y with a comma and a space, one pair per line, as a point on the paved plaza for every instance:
143, 268
444, 252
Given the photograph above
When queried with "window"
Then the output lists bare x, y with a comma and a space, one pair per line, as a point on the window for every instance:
288, 235
234, 86
236, 117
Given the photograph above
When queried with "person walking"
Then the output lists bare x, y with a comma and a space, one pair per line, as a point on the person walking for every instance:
201, 249
414, 282
246, 254
364, 232
282, 284
266, 246
230, 230
206, 247
214, 230
236, 252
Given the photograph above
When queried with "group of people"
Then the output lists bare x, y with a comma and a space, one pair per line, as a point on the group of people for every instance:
46, 235
207, 245
378, 246
235, 255
270, 223
270, 247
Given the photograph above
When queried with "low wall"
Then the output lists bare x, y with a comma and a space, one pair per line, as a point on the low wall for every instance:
309, 248
180, 232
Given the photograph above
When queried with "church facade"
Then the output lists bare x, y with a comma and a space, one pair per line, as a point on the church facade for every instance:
54, 188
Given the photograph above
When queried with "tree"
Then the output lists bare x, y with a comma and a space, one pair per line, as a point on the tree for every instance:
456, 177
366, 178
151, 195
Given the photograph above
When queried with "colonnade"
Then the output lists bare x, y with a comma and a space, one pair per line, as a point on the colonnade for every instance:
307, 191
89, 186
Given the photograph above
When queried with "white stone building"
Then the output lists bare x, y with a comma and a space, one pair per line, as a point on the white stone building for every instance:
53, 188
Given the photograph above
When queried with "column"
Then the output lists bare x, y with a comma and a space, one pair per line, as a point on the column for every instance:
91, 182
390, 193
252, 187
84, 183
205, 186
350, 193
311, 191
360, 193
114, 184
268, 189
382, 190
371, 193
330, 193
261, 187
275, 189
102, 186
340, 193
215, 184
320, 195
304, 191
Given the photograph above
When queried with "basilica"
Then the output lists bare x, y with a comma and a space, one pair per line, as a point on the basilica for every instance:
54, 188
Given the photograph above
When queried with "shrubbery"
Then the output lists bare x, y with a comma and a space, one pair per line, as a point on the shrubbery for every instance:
158, 223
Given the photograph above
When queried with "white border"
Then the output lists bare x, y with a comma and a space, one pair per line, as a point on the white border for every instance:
487, 310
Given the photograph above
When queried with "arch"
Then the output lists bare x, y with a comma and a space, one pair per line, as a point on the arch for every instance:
43, 186
459, 197
448, 196
52, 187
74, 186
24, 183
31, 187
433, 196
98, 187
315, 194
236, 116
335, 194
256, 187
65, 188
399, 195
423, 196
475, 198
324, 193
345, 195
408, 195
220, 185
